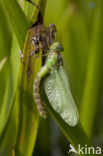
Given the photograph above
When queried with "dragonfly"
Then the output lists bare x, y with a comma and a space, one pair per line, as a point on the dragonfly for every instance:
42, 37
52, 75
56, 86
54, 59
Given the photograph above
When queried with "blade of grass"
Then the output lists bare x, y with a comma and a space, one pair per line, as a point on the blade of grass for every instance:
9, 109
5, 43
2, 63
10, 133
8, 103
41, 4
5, 34
67, 15
18, 20
93, 74
10, 88
29, 118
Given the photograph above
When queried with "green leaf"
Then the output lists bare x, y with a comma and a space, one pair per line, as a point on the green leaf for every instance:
2, 63
29, 117
5, 34
11, 86
10, 132
92, 87
5, 45
41, 5
18, 20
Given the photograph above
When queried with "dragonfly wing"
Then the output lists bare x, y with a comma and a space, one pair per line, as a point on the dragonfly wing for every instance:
57, 89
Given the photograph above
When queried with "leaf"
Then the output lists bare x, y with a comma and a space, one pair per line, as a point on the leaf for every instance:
11, 86
5, 35
29, 117
10, 132
93, 80
41, 4
57, 89
18, 20
2, 63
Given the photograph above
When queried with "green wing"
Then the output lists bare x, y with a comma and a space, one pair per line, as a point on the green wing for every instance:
57, 89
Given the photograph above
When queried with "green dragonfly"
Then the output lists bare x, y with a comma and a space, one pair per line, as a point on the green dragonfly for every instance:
56, 86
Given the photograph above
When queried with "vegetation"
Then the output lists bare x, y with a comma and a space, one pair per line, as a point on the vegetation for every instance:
79, 28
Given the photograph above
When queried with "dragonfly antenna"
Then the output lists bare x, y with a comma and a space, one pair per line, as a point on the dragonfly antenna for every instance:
33, 4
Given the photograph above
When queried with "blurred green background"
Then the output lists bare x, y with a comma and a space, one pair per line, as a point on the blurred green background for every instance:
80, 29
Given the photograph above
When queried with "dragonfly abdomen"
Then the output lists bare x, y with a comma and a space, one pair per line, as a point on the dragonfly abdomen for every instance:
37, 95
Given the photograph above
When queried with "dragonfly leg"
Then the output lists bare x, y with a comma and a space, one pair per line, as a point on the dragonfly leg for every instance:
41, 56
35, 51
60, 60
32, 53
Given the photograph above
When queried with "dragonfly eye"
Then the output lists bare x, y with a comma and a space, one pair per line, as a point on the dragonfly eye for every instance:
57, 47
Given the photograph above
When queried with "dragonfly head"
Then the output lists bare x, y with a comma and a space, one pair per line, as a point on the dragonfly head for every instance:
57, 47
